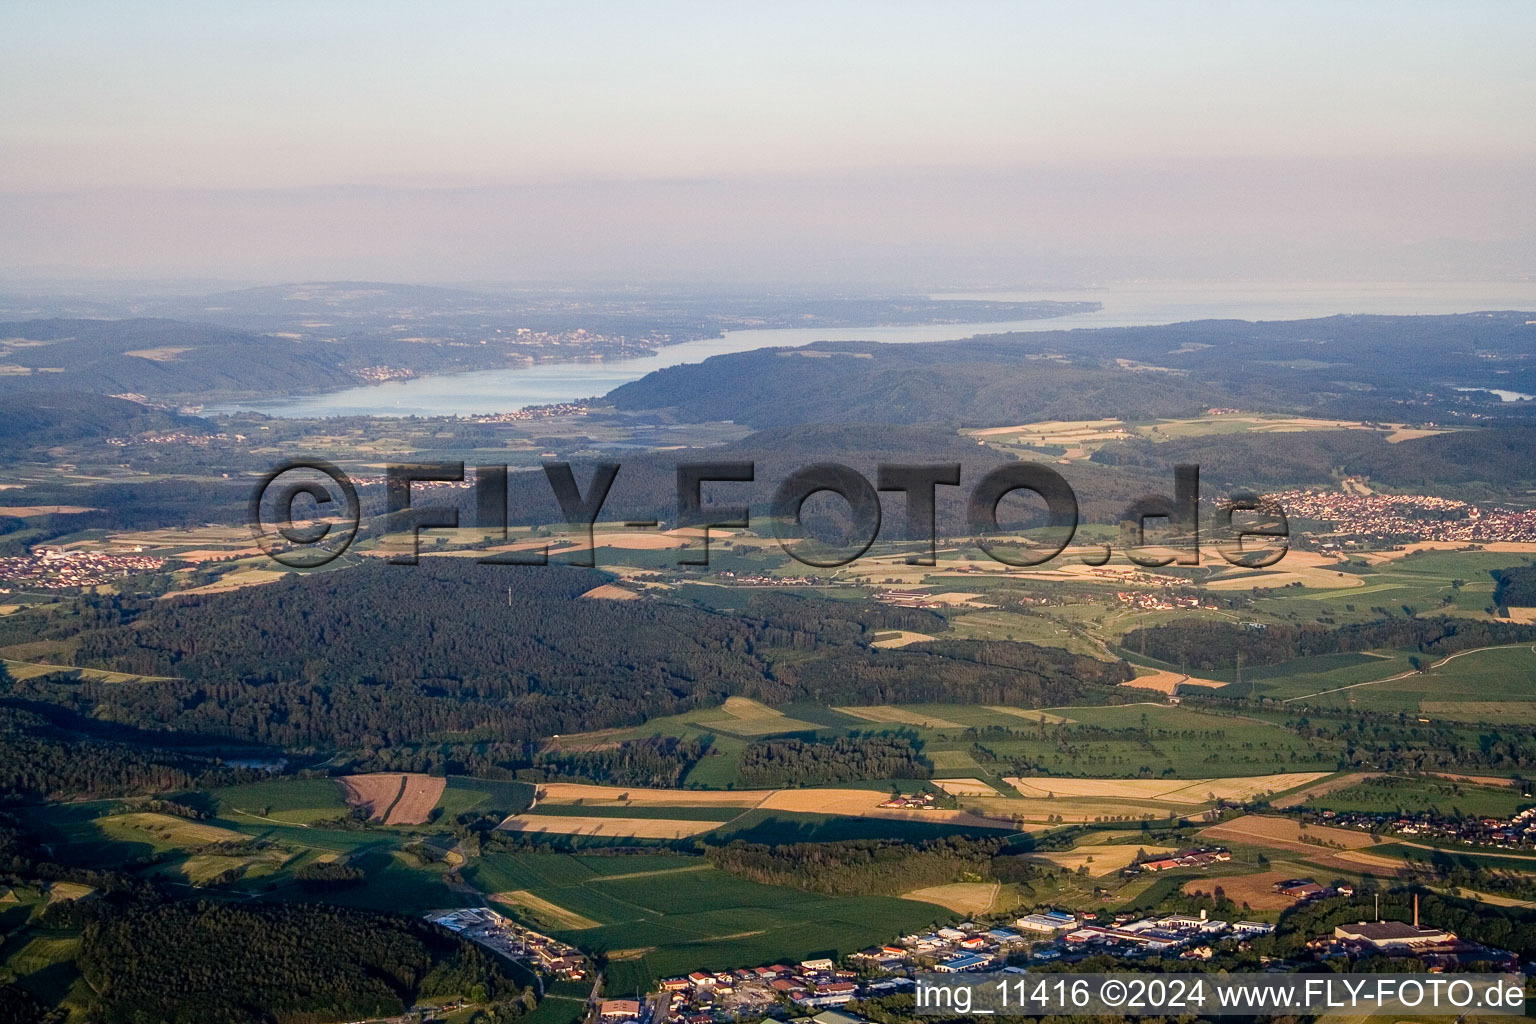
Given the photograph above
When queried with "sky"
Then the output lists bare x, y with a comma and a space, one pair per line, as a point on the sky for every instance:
893, 144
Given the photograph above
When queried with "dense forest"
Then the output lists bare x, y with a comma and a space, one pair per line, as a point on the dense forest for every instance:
1515, 587
39, 760
656, 762
218, 963
796, 762
379, 655
868, 866
1201, 645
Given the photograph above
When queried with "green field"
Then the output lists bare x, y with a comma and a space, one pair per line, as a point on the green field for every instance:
665, 915
1493, 685
779, 827
285, 800
464, 795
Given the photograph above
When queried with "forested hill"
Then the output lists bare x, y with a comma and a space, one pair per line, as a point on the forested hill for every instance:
159, 358
49, 418
382, 655
1497, 456
1372, 366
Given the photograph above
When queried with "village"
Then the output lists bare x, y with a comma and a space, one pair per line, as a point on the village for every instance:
49, 569
1515, 833
1368, 519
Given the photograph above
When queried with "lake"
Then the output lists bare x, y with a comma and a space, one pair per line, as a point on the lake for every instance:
1124, 305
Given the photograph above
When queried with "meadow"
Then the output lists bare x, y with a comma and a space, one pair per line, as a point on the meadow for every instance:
292, 801
1491, 685
661, 915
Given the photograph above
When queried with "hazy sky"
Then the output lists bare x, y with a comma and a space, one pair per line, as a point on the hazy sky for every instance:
921, 143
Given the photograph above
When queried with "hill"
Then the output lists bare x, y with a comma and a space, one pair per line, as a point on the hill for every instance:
1411, 364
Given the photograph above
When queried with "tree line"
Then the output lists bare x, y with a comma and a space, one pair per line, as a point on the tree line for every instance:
872, 866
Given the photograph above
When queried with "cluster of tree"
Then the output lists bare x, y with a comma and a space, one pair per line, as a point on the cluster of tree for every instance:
657, 762
414, 654
1201, 645
290, 963
871, 866
1515, 587
39, 760
796, 762
328, 875
18, 1006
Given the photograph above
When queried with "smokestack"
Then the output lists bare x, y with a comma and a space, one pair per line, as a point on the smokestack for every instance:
1378, 906
1415, 910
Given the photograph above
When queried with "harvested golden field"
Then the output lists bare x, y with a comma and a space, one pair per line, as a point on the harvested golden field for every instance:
966, 787
394, 798
581, 793
1164, 681
1099, 860
28, 670
865, 803
23, 511
1481, 780
630, 828
1372, 863
60, 891
1028, 714
1512, 547
1256, 890
750, 718
549, 914
234, 581
1322, 788
1263, 830
957, 598
610, 592
967, 898
900, 638
898, 716
1177, 791
1034, 814
222, 555
639, 541
1309, 568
